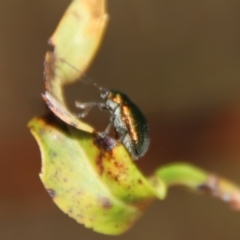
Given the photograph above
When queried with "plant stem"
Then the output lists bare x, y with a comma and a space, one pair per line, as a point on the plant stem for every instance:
200, 181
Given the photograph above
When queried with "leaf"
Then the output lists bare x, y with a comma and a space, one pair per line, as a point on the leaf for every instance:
75, 43
77, 37
101, 189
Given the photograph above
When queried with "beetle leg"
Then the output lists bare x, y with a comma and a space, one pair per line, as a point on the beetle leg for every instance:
86, 106
102, 106
122, 132
107, 130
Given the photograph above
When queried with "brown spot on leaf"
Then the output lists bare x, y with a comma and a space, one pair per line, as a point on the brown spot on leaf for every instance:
57, 173
52, 154
80, 218
113, 175
96, 14
121, 167
99, 162
51, 193
106, 143
41, 131
105, 146
117, 164
95, 7
105, 202
79, 192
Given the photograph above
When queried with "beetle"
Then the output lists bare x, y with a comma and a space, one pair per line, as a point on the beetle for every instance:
128, 121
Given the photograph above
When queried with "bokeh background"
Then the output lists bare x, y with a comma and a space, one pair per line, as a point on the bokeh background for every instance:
178, 60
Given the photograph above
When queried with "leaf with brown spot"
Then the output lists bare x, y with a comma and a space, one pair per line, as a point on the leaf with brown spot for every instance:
101, 202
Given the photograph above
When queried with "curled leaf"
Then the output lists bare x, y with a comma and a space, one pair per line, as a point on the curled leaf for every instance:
75, 43
101, 189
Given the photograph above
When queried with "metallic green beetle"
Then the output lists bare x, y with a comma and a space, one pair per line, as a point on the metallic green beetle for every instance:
130, 124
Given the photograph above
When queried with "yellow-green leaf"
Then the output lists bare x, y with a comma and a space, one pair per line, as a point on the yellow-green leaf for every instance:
101, 189
75, 42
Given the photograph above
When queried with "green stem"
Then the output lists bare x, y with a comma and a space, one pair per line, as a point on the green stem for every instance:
182, 174
200, 181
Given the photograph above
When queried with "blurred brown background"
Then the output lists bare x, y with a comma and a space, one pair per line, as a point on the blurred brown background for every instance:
178, 60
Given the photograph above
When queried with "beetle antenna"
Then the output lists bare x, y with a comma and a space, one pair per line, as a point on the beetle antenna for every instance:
85, 77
